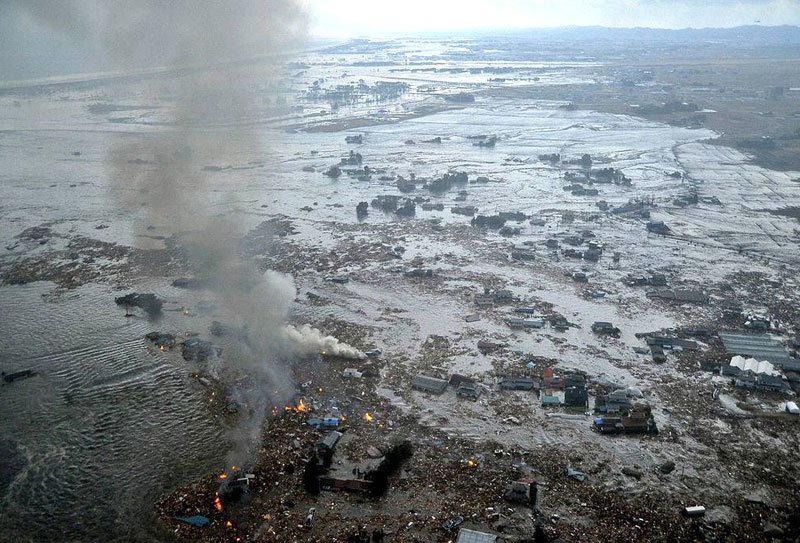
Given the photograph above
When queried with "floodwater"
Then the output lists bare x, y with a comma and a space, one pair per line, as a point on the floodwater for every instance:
109, 424
106, 427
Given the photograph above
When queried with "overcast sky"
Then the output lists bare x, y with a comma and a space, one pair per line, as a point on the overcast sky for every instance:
365, 17
48, 37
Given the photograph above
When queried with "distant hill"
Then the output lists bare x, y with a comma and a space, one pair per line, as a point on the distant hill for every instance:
785, 34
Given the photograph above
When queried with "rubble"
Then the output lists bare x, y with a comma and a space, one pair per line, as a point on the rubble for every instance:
333, 172
197, 350
163, 340
150, 303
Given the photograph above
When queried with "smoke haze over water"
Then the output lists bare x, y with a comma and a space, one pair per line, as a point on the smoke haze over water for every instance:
174, 33
211, 112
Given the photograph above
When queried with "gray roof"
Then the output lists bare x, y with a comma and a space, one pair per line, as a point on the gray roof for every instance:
472, 536
525, 323
759, 346
331, 439
684, 343
432, 384
791, 364
602, 324
679, 295
522, 380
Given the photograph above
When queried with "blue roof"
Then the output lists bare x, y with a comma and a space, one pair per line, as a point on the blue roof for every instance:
198, 521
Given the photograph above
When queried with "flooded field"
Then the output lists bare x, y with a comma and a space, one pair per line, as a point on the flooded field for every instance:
110, 424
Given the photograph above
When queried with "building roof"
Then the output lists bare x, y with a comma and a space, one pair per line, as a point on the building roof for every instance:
791, 364
525, 323
331, 439
679, 295
473, 536
759, 346
602, 324
673, 341
517, 382
574, 380
429, 383
576, 391
549, 399
751, 364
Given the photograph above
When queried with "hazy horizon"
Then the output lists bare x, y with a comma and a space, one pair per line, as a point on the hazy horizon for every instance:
35, 47
348, 17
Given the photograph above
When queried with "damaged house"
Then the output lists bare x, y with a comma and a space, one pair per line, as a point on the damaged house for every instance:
575, 393
615, 402
525, 323
432, 385
517, 383
639, 422
679, 295
761, 381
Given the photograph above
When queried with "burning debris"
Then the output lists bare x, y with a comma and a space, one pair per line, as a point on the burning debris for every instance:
234, 489
299, 408
162, 340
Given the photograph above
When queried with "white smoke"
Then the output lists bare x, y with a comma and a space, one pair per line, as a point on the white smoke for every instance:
307, 340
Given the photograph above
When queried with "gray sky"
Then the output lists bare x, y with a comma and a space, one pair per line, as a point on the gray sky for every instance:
47, 37
365, 17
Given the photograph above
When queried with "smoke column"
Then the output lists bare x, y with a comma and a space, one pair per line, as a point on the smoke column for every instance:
307, 340
200, 45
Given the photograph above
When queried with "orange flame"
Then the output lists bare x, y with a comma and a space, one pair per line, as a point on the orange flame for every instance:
223, 475
229, 524
472, 463
217, 503
299, 408
368, 417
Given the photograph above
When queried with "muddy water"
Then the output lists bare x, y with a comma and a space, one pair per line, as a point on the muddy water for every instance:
106, 426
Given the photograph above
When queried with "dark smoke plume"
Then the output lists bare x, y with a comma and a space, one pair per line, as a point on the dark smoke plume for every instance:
213, 54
